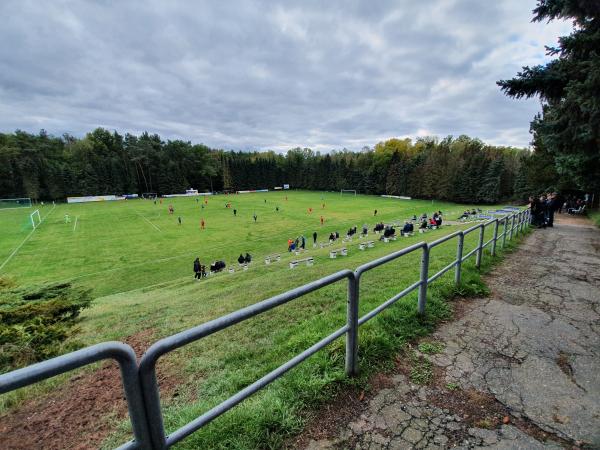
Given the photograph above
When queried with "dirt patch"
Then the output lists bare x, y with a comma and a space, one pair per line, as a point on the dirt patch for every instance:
81, 413
562, 360
349, 403
577, 221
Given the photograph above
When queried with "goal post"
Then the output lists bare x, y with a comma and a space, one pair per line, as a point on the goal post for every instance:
35, 218
11, 203
347, 191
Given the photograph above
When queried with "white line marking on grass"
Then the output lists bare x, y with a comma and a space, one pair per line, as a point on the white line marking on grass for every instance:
156, 227
26, 239
75, 226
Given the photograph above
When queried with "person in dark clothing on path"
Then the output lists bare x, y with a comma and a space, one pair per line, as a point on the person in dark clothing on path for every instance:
179, 220
197, 269
315, 238
553, 206
375, 213
538, 212
255, 217
235, 212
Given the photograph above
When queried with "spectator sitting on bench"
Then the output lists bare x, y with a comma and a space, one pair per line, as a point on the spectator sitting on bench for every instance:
241, 259
217, 266
431, 223
423, 225
365, 229
465, 215
247, 258
331, 237
407, 228
414, 219
438, 221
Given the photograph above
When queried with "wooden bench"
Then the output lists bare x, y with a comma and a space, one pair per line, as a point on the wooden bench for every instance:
309, 262
272, 258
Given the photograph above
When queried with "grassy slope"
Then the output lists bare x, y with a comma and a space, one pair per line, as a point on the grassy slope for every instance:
230, 360
220, 365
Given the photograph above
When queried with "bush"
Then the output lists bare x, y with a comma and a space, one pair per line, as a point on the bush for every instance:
36, 322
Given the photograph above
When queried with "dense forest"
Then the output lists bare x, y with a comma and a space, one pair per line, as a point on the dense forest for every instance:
461, 169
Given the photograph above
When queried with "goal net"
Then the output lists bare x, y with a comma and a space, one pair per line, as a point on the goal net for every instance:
35, 218
149, 195
348, 191
10, 203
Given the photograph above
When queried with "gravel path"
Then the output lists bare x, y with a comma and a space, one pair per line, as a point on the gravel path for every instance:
519, 369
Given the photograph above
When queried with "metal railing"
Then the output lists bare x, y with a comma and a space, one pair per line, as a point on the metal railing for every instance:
139, 381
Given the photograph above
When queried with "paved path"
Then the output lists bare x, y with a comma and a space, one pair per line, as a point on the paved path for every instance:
519, 369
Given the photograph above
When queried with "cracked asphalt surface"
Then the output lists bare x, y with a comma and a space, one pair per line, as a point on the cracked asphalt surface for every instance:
531, 350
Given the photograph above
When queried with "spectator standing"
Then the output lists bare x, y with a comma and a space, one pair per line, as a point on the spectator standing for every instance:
197, 269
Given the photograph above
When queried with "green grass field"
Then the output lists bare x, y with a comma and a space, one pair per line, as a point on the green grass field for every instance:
138, 261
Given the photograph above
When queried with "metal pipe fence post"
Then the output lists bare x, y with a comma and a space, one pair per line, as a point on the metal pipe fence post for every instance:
496, 223
519, 221
153, 410
479, 247
352, 334
459, 253
512, 226
424, 277
504, 231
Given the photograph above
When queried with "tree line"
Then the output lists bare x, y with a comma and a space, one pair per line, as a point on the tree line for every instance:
462, 169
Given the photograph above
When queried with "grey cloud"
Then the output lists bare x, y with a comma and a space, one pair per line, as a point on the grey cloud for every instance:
260, 75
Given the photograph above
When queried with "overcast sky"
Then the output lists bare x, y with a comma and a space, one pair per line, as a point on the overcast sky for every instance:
270, 75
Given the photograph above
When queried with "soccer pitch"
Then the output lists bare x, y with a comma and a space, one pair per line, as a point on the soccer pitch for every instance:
118, 246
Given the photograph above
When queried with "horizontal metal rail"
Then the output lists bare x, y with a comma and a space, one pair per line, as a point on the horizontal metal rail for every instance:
140, 383
147, 367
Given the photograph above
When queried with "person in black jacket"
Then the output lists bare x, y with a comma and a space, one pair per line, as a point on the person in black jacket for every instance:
217, 266
248, 258
553, 204
241, 259
197, 269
